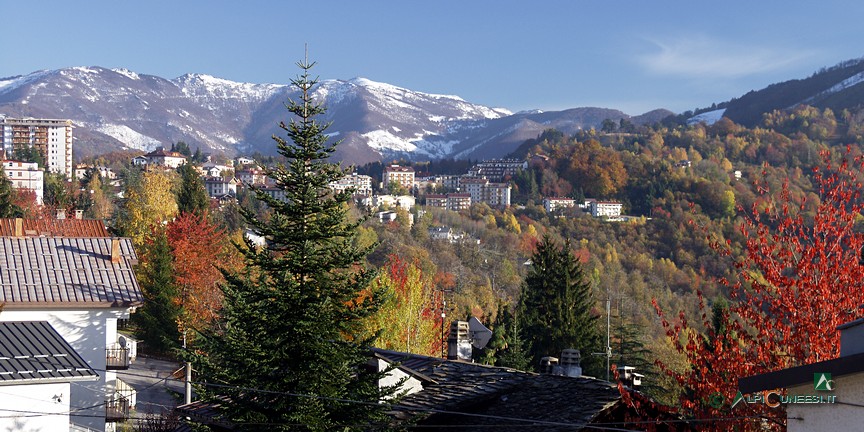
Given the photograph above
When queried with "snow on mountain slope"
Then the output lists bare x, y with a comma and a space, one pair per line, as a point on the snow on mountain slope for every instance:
122, 109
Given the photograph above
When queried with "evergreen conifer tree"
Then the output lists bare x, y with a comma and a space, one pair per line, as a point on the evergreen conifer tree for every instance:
192, 196
555, 306
289, 351
156, 322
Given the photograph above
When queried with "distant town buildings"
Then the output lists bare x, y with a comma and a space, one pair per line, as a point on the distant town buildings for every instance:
452, 201
362, 184
400, 175
160, 157
52, 138
498, 170
26, 176
552, 204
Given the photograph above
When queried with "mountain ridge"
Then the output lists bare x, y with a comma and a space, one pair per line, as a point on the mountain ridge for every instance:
117, 109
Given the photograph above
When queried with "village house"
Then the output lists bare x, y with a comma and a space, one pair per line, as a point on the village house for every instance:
72, 275
455, 394
218, 187
251, 176
104, 172
37, 370
160, 157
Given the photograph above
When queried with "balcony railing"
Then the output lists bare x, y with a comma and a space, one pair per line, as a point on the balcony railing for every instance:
117, 409
117, 358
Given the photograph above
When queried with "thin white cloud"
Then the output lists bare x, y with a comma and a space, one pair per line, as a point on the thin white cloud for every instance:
703, 57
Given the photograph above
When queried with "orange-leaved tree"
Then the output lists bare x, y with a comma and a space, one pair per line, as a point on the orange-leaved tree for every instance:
797, 280
197, 247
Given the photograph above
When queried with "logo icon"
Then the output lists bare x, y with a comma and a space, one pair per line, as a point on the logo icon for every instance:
823, 382
738, 398
715, 400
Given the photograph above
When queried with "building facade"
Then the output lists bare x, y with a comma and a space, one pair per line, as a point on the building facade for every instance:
52, 138
401, 175
498, 169
362, 184
26, 176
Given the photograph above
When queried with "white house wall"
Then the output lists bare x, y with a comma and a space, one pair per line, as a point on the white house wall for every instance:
849, 389
35, 407
89, 332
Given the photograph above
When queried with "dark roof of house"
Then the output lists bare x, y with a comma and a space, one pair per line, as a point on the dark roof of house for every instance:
55, 227
460, 394
792, 377
33, 352
58, 272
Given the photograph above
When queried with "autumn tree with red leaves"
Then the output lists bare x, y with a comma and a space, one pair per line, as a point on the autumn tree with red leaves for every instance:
197, 247
797, 280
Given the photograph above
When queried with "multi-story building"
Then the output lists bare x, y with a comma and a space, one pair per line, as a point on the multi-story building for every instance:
162, 157
401, 175
554, 203
482, 191
362, 184
606, 208
498, 169
218, 187
251, 176
50, 137
26, 176
453, 201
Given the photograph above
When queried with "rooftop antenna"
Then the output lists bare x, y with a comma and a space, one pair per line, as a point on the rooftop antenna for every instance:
608, 352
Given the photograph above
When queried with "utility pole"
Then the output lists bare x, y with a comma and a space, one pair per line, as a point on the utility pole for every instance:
188, 384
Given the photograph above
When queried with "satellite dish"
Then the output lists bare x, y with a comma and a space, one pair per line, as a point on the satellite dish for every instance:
478, 333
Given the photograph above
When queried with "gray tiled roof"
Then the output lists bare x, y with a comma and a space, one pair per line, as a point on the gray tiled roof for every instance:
514, 399
38, 272
33, 352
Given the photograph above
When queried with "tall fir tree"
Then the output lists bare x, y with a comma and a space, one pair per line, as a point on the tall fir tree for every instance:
289, 349
555, 306
192, 196
156, 322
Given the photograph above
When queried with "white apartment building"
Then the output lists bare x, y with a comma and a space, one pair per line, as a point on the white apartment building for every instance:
362, 184
400, 175
51, 137
553, 203
606, 208
26, 176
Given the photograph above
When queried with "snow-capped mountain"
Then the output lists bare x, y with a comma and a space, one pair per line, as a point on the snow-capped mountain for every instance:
116, 109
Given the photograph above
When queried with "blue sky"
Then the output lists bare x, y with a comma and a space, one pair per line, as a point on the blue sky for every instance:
630, 55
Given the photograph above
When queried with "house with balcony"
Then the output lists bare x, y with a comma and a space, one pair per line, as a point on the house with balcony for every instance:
81, 285
37, 370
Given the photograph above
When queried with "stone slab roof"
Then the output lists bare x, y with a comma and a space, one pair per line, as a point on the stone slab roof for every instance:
62, 272
514, 399
34, 353
55, 227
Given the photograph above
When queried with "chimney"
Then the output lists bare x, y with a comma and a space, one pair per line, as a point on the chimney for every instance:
79, 214
61, 214
459, 342
570, 359
548, 365
115, 251
19, 227
629, 376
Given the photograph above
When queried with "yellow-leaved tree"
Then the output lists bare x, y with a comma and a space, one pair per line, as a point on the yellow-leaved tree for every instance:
408, 319
149, 201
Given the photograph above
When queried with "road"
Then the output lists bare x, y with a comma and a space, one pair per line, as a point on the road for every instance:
158, 391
